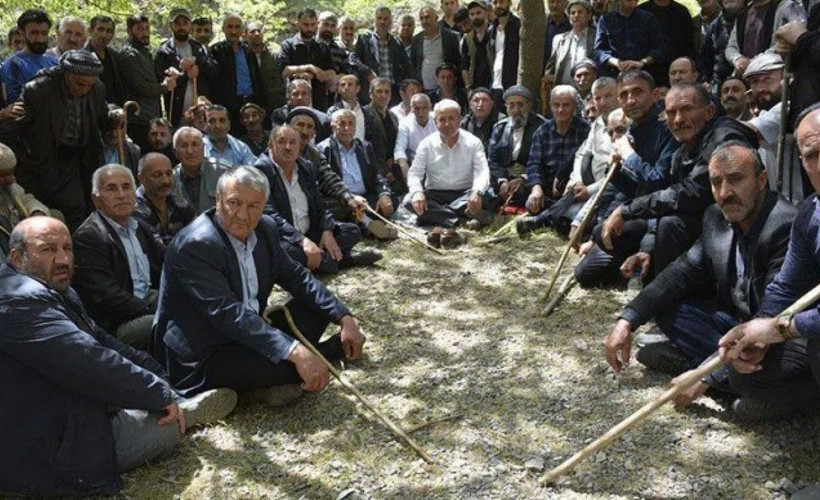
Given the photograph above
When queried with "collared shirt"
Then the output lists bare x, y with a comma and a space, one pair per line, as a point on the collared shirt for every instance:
351, 170
138, 265
180, 214
399, 111
110, 155
298, 200
385, 64
433, 57
410, 136
458, 168
498, 61
244, 87
247, 270
74, 116
360, 125
577, 51
236, 153
628, 38
552, 153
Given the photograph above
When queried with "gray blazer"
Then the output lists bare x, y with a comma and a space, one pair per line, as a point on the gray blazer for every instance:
559, 58
211, 170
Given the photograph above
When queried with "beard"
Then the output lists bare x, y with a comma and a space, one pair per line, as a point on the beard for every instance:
519, 121
307, 34
326, 35
181, 36
37, 47
478, 22
501, 11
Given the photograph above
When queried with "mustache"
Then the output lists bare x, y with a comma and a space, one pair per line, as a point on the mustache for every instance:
58, 268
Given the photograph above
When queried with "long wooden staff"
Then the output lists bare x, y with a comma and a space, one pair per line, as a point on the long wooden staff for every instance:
195, 91
402, 230
565, 287
171, 108
639, 416
350, 387
784, 122
613, 169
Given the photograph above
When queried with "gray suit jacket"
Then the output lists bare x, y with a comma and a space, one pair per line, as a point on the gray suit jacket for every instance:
559, 58
211, 170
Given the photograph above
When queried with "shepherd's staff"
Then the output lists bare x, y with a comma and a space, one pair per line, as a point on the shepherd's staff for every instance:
402, 230
784, 123
686, 382
194, 90
582, 227
350, 387
565, 287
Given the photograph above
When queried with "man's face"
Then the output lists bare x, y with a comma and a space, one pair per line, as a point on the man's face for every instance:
628, 6
217, 124
17, 42
285, 147
409, 91
203, 33
327, 28
181, 28
605, 99
478, 16
102, 33
79, 85
579, 17
347, 31
72, 37
599, 6
381, 95
563, 108
686, 115
617, 127
421, 110
382, 22
344, 128
449, 7
808, 141
709, 6
239, 209
157, 177
733, 7
502, 7
733, 96
232, 28
590, 112
557, 7
428, 20
446, 80
299, 96
254, 36
305, 126
681, 70
517, 108
348, 88
140, 33
159, 137
636, 99
584, 78
35, 36
7, 178
49, 253
737, 190
189, 150
481, 104
447, 122
117, 198
251, 119
766, 88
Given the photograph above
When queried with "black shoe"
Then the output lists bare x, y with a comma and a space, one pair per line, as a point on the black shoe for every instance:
755, 410
364, 257
526, 225
665, 357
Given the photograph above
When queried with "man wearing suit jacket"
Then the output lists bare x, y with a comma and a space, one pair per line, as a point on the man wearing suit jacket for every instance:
216, 281
442, 47
720, 281
118, 260
195, 176
573, 46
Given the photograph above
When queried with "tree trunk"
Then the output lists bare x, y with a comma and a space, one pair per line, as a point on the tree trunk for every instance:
533, 34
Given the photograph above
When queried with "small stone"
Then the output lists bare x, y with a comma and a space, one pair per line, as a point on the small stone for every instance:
786, 485
770, 485
600, 457
535, 464
348, 493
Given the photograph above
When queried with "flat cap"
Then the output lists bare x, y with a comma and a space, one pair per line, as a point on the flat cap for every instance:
584, 63
583, 3
306, 111
763, 63
475, 3
80, 62
179, 11
255, 25
7, 159
518, 90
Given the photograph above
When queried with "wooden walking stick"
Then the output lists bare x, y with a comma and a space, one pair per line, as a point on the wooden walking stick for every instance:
639, 416
784, 123
565, 287
402, 230
194, 90
613, 169
350, 387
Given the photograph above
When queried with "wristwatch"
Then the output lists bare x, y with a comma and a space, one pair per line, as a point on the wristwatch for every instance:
784, 326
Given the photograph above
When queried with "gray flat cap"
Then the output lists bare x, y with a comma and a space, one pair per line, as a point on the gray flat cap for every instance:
518, 90
7, 159
763, 63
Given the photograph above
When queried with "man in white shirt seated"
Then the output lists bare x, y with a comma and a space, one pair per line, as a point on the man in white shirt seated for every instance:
450, 178
412, 129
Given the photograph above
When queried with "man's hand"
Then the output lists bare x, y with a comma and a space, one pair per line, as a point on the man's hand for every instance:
787, 36
419, 203
618, 344
556, 193
613, 226
741, 63
357, 203
352, 338
622, 147
624, 66
312, 252
173, 413
329, 245
535, 202
586, 247
404, 166
745, 345
385, 205
576, 244
313, 372
580, 192
13, 111
690, 395
642, 259
474, 204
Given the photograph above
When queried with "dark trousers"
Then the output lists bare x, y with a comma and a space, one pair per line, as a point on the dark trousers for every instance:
791, 372
243, 369
70, 196
444, 208
346, 234
695, 327
560, 215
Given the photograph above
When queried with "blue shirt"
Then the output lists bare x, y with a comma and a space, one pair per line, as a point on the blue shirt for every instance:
244, 87
138, 265
628, 38
21, 67
247, 269
237, 153
351, 170
553, 154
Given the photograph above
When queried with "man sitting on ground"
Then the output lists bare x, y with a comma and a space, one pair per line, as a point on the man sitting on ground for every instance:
158, 207
412, 130
15, 203
220, 144
482, 117
253, 118
195, 175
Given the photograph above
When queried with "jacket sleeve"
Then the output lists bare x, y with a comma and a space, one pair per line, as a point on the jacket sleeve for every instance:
603, 52
329, 181
140, 84
496, 155
690, 196
639, 175
286, 231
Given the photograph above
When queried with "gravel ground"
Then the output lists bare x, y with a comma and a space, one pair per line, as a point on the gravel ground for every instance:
461, 335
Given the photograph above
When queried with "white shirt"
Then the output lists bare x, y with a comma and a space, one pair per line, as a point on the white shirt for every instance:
410, 135
399, 111
498, 62
437, 166
298, 200
767, 124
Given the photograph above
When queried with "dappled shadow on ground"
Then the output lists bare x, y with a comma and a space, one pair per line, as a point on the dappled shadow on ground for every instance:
462, 334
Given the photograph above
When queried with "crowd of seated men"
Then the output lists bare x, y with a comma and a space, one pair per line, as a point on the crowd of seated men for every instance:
151, 198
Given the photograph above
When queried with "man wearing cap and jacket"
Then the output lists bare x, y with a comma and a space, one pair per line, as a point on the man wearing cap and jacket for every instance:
15, 203
573, 46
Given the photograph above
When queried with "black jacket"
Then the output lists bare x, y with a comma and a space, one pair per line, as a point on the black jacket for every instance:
55, 427
512, 41
373, 131
500, 151
374, 181
450, 49
208, 74
102, 277
224, 89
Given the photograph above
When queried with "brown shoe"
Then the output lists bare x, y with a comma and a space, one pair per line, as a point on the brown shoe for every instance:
382, 231
434, 237
279, 395
451, 239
